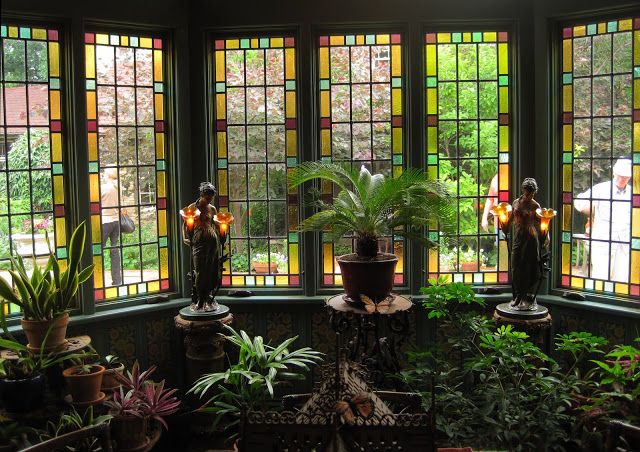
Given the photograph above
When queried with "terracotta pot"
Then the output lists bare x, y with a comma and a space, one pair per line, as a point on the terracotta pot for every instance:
109, 382
22, 396
265, 267
84, 387
373, 278
469, 267
36, 330
129, 432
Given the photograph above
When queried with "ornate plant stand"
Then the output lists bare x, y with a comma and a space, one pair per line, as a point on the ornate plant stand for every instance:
363, 334
536, 323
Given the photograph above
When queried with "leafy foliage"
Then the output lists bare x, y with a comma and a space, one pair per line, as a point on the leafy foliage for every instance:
72, 422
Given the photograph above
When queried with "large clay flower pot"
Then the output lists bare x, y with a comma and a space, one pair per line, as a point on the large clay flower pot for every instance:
265, 267
83, 387
22, 396
129, 432
36, 331
370, 277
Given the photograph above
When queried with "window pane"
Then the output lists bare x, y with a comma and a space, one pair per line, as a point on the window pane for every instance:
256, 145
31, 164
125, 113
468, 147
361, 121
600, 144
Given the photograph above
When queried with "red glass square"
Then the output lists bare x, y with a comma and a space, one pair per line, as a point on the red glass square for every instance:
56, 126
157, 43
95, 208
52, 35
636, 200
432, 120
98, 294
567, 118
503, 196
162, 203
430, 38
398, 279
226, 280
58, 210
292, 199
504, 119
219, 44
327, 197
324, 41
223, 201
294, 280
159, 126
396, 121
634, 290
164, 284
503, 36
290, 124
328, 280
567, 32
396, 39
503, 277
221, 125
433, 276
636, 115
289, 42
567, 198
565, 281
92, 126
89, 38
325, 123
636, 23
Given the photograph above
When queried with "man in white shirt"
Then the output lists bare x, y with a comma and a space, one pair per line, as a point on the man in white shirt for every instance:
608, 204
111, 221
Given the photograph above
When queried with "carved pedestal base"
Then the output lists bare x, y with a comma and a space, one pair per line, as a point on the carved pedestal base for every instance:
203, 345
536, 323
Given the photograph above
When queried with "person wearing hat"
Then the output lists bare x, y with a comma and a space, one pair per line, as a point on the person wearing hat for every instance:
610, 240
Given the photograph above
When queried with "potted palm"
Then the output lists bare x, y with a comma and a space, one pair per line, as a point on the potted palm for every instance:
44, 296
369, 207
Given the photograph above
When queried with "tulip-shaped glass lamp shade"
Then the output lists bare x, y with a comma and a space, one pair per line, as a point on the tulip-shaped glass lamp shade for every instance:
224, 220
546, 215
503, 212
189, 215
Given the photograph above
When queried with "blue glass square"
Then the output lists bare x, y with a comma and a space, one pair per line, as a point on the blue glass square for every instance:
25, 32
3, 31
61, 253
350, 40
54, 83
222, 163
324, 84
370, 39
245, 43
264, 43
158, 87
90, 85
290, 85
97, 250
292, 162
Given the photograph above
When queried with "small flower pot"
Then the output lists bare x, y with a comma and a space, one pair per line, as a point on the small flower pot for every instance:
36, 331
109, 381
129, 432
84, 388
469, 267
22, 396
264, 267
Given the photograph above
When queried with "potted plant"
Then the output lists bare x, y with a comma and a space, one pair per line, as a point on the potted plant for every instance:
112, 366
13, 435
269, 262
468, 260
46, 294
138, 400
71, 422
249, 383
370, 206
84, 382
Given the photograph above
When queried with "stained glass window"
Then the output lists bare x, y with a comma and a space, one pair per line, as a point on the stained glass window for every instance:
600, 144
468, 146
32, 200
256, 145
361, 122
125, 86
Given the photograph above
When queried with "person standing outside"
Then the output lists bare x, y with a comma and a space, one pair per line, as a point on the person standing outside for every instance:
608, 206
111, 221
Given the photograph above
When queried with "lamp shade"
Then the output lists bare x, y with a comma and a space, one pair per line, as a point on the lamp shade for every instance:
546, 215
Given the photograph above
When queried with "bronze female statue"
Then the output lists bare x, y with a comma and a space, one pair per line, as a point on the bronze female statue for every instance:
205, 249
526, 249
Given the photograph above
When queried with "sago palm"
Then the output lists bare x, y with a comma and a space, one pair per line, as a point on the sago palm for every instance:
370, 206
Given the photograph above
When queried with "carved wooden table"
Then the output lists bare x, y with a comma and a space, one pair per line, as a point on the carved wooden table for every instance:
371, 338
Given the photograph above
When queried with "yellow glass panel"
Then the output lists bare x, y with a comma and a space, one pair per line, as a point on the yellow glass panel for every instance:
624, 25
292, 191
111, 292
153, 286
162, 223
635, 221
490, 36
577, 282
396, 61
146, 43
636, 136
102, 39
432, 140
91, 104
222, 144
432, 101
503, 58
164, 263
97, 272
468, 278
444, 37
89, 61
635, 183
360, 40
58, 189
38, 33
396, 101
161, 182
54, 59
325, 186
338, 279
232, 44
325, 102
567, 98
599, 285
63, 264
491, 278
95, 229
635, 267
255, 43
566, 258
292, 143
221, 106
133, 289
382, 39
277, 42
567, 56
327, 254
324, 62
336, 40
325, 142
567, 180
157, 66
397, 171
504, 139
290, 104
431, 60
432, 172
222, 182
159, 104
397, 140
226, 268
566, 217
636, 47
61, 232
294, 266
504, 99
503, 256
602, 27
636, 93
94, 187
56, 147
504, 176
579, 30
124, 41
466, 37
567, 137
282, 280
220, 71
160, 145
259, 280
621, 288
290, 63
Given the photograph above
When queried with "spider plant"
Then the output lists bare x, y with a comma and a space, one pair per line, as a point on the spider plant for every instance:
370, 206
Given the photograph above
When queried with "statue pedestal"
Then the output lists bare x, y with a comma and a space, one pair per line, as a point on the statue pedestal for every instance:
536, 323
203, 343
